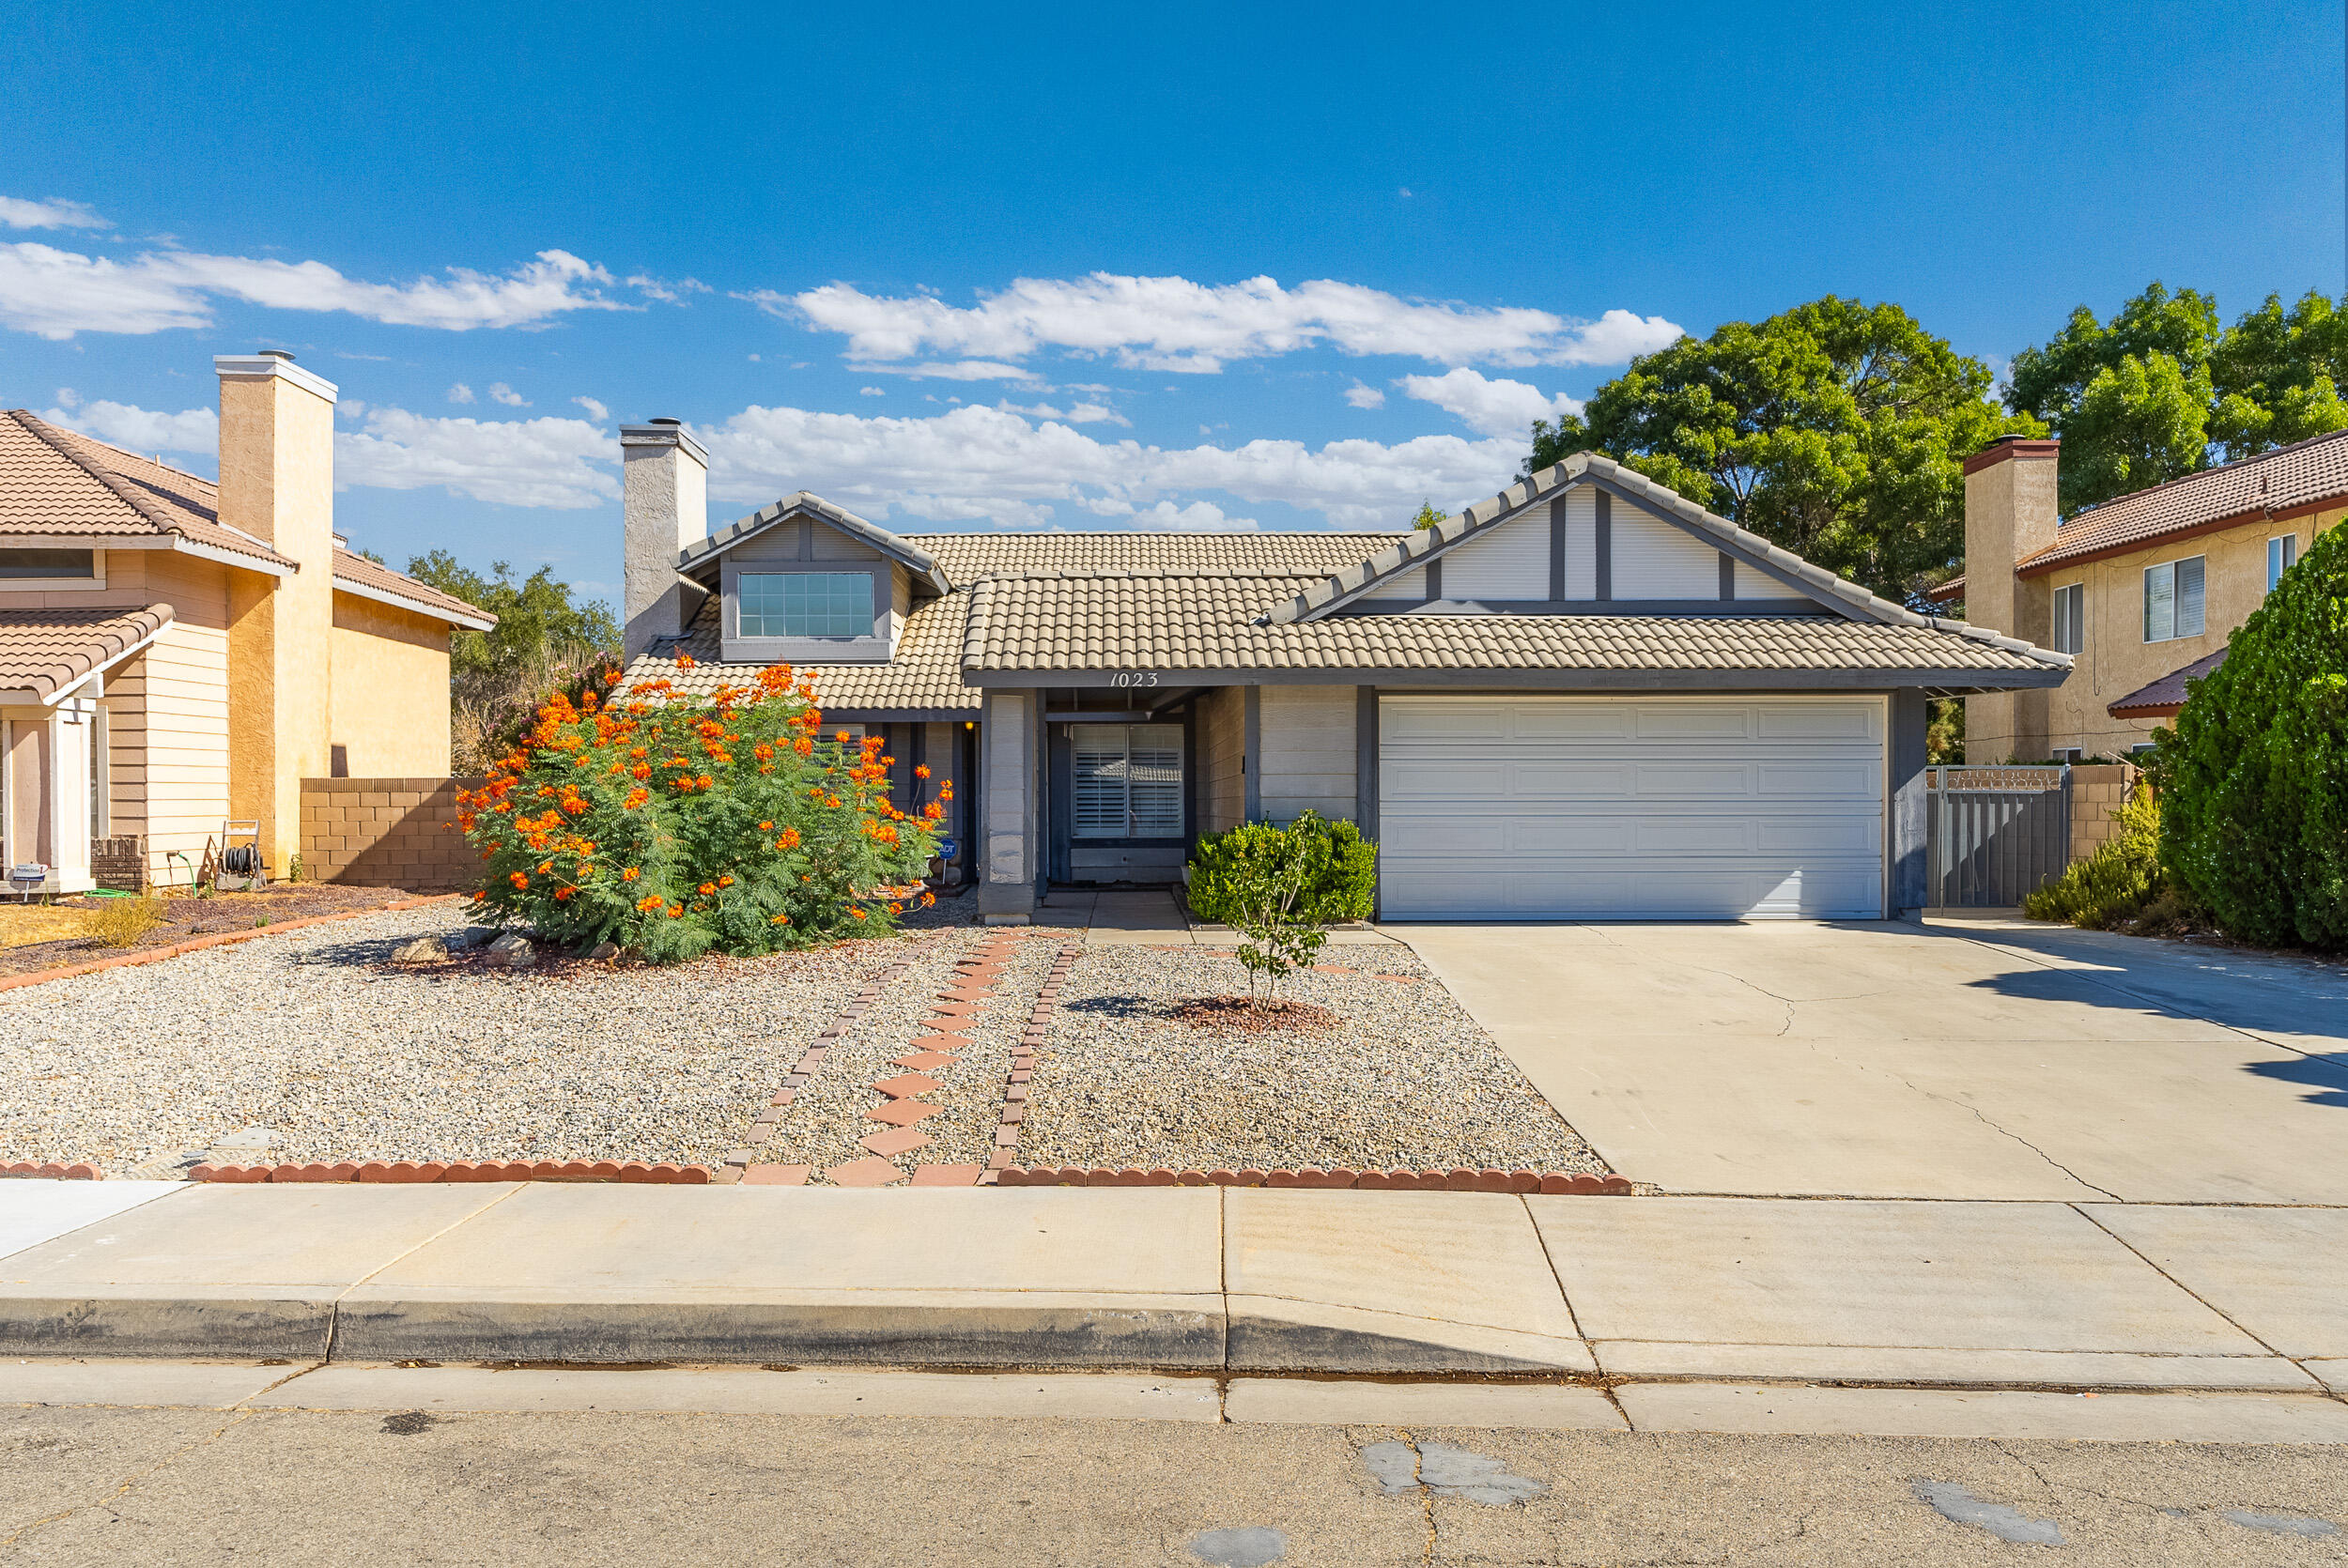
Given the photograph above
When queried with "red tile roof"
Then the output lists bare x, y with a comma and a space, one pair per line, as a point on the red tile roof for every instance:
2163, 697
46, 651
2288, 482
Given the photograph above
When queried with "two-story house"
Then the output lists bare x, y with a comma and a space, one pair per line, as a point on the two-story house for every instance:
177, 653
1585, 697
2141, 592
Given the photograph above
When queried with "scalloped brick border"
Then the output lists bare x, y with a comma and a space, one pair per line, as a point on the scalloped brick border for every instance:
50, 1170
462, 1170
1373, 1181
218, 939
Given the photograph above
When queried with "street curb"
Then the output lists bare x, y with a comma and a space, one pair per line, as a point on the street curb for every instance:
52, 1171
218, 939
635, 1171
1373, 1181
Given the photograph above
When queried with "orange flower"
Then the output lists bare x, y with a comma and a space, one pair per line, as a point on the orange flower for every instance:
676, 912
707, 888
788, 838
920, 770
725, 882
545, 868
765, 827
856, 914
630, 875
780, 920
650, 902
686, 661
517, 878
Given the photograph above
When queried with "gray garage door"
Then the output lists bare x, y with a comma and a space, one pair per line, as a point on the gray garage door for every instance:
1631, 808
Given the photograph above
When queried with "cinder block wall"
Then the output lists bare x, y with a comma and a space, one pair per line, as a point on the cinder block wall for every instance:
386, 833
2097, 790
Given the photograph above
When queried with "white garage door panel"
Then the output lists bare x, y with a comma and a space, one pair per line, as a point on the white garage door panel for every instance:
1556, 807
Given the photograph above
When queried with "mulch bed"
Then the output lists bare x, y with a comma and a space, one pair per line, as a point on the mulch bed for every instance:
185, 916
1253, 1018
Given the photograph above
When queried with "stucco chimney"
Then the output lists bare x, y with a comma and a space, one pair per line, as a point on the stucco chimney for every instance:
665, 487
2010, 512
277, 483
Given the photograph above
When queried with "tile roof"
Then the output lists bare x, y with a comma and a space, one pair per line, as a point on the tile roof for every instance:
926, 674
46, 651
61, 482
55, 481
358, 572
2293, 479
1182, 622
2161, 698
968, 557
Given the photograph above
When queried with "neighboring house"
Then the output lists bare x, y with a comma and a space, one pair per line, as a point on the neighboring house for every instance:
2142, 590
1583, 697
175, 653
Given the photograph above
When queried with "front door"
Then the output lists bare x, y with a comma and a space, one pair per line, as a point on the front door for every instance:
1118, 798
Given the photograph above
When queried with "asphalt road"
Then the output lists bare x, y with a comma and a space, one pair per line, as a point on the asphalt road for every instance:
106, 1485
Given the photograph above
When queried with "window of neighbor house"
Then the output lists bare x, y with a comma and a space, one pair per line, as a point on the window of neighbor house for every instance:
2282, 552
2172, 600
805, 604
2070, 618
338, 762
47, 564
1129, 780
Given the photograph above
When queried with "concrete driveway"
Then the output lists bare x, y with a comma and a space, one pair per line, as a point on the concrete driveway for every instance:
1983, 1058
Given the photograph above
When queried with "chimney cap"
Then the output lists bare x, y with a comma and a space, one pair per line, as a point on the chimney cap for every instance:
663, 419
2014, 444
284, 354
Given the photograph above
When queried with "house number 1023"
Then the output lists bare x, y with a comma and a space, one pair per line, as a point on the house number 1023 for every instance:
1134, 678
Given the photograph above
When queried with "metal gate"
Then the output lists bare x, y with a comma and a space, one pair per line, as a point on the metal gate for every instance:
1996, 835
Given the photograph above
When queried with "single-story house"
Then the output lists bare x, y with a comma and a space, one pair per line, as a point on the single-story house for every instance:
1585, 697
176, 653
2142, 591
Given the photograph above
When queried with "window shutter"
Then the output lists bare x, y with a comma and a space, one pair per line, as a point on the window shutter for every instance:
2189, 597
1099, 807
1155, 771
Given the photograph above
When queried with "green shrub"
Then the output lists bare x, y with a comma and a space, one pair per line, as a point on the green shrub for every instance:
2255, 775
2113, 886
1282, 888
672, 826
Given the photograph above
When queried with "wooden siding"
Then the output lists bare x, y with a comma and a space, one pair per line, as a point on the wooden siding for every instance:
1222, 742
1509, 562
1308, 759
1656, 560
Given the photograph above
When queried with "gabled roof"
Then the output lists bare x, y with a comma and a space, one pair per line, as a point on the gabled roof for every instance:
896, 547
60, 483
968, 557
2165, 698
1207, 623
1589, 468
45, 651
2289, 482
924, 677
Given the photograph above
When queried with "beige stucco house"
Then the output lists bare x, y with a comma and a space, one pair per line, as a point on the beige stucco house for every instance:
2141, 592
177, 653
1583, 697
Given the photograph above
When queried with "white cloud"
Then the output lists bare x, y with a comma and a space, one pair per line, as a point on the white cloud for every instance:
1363, 396
985, 464
668, 293
1095, 413
55, 294
869, 391
138, 429
595, 410
1172, 324
1489, 407
460, 394
544, 461
961, 369
501, 393
54, 213
1199, 516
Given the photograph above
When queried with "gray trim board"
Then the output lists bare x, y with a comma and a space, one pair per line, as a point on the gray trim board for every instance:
1728, 578
1749, 609
1602, 551
1833, 603
1557, 549
1251, 750
1366, 773
815, 509
1434, 579
1907, 872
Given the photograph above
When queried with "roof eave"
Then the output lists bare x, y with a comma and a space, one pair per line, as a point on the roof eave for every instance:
480, 620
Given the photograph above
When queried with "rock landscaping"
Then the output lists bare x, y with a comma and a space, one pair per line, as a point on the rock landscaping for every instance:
34, 938
410, 1046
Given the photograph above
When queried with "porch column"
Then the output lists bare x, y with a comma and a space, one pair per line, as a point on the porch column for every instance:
1010, 798
1904, 869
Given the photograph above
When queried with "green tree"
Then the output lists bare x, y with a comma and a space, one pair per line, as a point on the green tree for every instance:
1836, 429
545, 641
2163, 390
1428, 517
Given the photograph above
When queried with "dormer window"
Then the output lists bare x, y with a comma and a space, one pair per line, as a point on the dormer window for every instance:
805, 604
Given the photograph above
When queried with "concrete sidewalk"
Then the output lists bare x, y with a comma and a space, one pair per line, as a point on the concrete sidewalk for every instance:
1971, 1295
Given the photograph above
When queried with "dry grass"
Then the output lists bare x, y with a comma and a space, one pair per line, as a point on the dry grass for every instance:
21, 925
120, 922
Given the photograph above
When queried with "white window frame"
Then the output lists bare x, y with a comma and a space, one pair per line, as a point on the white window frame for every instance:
1092, 740
2070, 630
2282, 554
2166, 601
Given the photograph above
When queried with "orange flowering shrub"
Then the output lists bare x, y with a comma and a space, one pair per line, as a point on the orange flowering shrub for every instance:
675, 825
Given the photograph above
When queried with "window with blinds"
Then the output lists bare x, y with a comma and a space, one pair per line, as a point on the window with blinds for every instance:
1129, 780
2174, 600
2070, 618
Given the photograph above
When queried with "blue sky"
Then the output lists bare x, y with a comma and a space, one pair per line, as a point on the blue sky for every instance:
1083, 267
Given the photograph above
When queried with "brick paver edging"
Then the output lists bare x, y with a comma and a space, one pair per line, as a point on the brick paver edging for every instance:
1023, 1057
218, 939
462, 1170
51, 1170
1373, 1181
763, 1127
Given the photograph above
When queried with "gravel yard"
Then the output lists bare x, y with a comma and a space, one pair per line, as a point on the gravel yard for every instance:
316, 1039
1406, 1080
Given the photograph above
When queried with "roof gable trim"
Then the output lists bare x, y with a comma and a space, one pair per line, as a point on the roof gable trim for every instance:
895, 546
